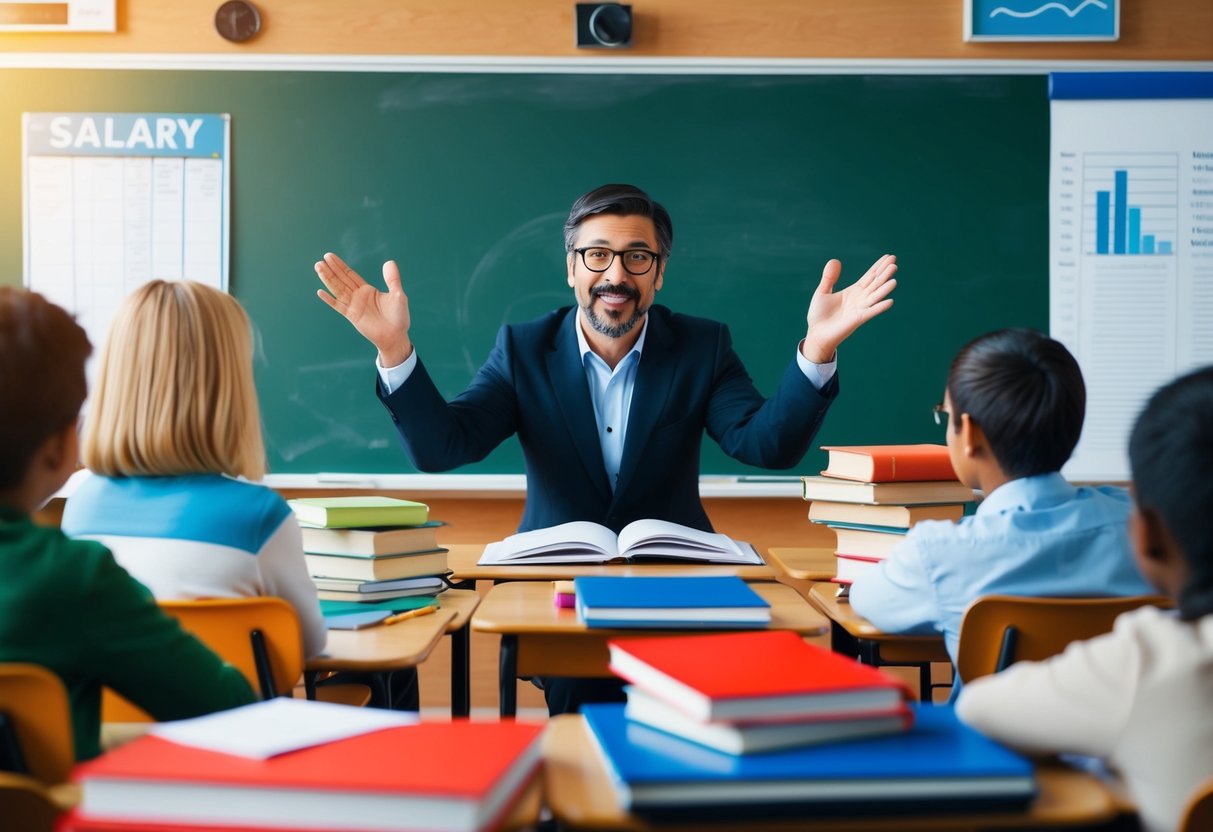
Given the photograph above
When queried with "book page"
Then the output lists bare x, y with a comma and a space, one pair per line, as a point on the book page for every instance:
661, 538
579, 541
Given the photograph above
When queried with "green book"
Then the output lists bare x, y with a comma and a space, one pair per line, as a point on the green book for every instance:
356, 512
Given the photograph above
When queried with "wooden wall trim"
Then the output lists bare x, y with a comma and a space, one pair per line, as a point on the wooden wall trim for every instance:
1160, 30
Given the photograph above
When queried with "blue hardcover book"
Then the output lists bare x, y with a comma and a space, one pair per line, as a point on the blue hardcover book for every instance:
684, 603
940, 765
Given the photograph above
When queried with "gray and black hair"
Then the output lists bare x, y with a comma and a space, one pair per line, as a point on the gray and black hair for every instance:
622, 200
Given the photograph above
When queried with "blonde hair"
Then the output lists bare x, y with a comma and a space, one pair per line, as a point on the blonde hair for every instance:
175, 390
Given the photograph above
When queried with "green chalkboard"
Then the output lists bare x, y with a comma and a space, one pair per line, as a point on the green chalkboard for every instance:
466, 179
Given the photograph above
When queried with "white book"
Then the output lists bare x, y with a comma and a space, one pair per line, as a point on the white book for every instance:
586, 542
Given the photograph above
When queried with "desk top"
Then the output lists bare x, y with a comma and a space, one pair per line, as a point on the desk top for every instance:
462, 559
804, 564
581, 796
893, 647
396, 646
522, 607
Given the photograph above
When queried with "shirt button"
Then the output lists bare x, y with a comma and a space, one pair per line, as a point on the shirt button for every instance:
609, 429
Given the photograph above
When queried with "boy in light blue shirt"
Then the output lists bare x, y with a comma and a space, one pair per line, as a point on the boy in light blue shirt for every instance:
1014, 406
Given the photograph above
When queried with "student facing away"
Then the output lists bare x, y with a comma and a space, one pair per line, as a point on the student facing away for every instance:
65, 604
1014, 406
172, 424
1141, 696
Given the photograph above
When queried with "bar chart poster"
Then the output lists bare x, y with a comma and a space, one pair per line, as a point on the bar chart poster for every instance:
1131, 257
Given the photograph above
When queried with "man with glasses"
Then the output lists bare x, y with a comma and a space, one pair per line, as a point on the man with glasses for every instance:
610, 398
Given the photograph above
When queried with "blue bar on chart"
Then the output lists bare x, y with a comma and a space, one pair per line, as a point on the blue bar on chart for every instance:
1147, 244
1120, 214
1164, 246
1103, 203
1134, 230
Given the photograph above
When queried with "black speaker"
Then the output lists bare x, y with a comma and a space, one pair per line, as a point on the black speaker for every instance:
604, 25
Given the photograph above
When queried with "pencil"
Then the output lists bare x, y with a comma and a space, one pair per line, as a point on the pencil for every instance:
402, 616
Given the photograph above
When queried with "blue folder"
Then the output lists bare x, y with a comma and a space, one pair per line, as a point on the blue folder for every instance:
938, 766
725, 602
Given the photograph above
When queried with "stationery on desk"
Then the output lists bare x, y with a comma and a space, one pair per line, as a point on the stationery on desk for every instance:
723, 602
586, 542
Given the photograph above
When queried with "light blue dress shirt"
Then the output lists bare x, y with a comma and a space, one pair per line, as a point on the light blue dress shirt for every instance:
1032, 536
610, 390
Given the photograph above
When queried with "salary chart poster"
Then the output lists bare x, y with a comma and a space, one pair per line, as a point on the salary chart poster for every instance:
1131, 244
112, 200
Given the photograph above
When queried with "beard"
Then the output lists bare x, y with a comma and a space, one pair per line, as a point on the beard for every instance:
612, 324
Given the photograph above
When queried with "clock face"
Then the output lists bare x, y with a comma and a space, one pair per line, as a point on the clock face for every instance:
237, 20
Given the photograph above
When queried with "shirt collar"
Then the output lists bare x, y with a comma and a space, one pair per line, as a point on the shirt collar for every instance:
1027, 492
584, 345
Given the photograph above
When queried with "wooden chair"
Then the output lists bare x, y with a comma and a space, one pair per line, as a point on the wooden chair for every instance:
26, 804
259, 636
1198, 815
35, 724
999, 630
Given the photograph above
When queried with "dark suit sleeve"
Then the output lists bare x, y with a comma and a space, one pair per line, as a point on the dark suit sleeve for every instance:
768, 433
438, 435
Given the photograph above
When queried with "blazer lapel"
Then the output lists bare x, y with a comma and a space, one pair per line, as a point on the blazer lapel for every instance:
567, 376
653, 381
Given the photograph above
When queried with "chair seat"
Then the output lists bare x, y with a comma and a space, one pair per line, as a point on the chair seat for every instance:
28, 805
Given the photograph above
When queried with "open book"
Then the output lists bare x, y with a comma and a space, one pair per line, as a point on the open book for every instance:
585, 542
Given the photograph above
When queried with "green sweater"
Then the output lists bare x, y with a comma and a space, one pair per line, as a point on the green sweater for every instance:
67, 605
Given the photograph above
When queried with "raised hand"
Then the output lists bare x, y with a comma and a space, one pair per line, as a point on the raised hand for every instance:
381, 317
833, 316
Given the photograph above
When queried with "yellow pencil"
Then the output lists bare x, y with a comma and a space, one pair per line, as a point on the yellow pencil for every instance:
401, 616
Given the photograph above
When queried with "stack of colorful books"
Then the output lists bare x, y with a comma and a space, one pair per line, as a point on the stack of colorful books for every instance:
749, 725
870, 496
370, 548
748, 692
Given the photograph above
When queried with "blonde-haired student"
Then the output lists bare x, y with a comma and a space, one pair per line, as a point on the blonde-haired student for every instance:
65, 604
1141, 696
173, 427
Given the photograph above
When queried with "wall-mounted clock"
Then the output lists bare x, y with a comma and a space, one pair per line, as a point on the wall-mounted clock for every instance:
237, 20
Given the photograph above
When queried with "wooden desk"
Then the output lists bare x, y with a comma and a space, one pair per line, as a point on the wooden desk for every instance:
853, 635
580, 795
538, 638
462, 561
803, 564
407, 644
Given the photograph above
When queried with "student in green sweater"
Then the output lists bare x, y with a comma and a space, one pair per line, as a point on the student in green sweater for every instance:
65, 604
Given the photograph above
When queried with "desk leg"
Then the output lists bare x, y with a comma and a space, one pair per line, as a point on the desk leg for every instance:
508, 679
843, 642
461, 691
309, 683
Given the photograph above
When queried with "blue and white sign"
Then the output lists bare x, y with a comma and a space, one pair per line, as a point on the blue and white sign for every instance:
1042, 20
113, 200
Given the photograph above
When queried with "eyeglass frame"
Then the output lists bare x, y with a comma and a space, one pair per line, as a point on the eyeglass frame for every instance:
615, 253
937, 411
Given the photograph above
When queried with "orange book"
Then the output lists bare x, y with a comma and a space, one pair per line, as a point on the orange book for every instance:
889, 463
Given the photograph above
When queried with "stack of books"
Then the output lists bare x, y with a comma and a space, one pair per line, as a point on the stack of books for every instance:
742, 693
723, 602
870, 496
370, 548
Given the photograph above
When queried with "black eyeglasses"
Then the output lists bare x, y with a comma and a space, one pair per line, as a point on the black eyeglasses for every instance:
636, 261
941, 415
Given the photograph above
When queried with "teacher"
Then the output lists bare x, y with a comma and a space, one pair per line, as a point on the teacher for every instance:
610, 398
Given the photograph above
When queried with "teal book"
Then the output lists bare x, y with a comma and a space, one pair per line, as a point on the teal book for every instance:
938, 766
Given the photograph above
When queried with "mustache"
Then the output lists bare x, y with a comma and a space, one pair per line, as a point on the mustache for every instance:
627, 291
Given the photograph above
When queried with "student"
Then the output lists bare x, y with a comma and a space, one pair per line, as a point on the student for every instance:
1014, 406
1139, 696
173, 422
65, 604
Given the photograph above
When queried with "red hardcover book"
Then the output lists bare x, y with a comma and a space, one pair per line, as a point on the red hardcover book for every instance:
889, 463
430, 776
767, 676
851, 567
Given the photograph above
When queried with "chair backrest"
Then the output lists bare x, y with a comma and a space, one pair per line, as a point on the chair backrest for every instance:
36, 728
999, 630
1198, 815
259, 636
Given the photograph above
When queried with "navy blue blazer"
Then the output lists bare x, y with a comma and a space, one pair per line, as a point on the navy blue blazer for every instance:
533, 384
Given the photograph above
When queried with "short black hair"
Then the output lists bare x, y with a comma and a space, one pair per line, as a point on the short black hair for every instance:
42, 384
1026, 393
625, 201
1171, 453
